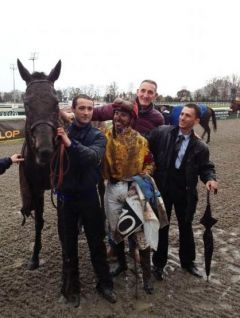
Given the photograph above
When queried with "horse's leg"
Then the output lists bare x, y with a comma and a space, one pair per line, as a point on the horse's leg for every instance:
204, 133
206, 130
208, 134
39, 222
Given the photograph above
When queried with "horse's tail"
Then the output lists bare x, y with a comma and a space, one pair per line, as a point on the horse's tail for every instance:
214, 119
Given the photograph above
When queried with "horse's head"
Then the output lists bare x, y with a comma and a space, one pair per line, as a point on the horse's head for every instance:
41, 107
235, 105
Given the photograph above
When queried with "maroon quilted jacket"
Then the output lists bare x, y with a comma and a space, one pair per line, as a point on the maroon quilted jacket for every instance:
147, 119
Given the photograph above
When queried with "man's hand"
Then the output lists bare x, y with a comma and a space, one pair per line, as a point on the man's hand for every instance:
16, 158
212, 185
61, 133
67, 117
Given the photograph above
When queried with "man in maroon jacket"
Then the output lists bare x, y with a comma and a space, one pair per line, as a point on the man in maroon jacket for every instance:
148, 116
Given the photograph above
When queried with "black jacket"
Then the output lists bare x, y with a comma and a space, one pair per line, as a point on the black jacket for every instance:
82, 161
197, 163
5, 163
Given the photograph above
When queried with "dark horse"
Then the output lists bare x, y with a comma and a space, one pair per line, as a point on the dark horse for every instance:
172, 113
235, 106
42, 114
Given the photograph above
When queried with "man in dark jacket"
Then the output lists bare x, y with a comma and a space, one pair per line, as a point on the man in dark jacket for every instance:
78, 202
180, 157
6, 162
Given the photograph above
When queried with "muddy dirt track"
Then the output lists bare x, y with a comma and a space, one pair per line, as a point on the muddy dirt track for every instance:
35, 294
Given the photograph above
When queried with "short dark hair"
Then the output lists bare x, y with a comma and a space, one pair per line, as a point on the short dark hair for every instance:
195, 107
84, 96
150, 82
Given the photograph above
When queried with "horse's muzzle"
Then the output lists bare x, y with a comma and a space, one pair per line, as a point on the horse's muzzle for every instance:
43, 156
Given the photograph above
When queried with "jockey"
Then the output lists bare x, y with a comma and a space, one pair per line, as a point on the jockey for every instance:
126, 155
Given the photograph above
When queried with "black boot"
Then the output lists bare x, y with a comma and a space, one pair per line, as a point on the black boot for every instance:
71, 285
122, 265
107, 292
146, 270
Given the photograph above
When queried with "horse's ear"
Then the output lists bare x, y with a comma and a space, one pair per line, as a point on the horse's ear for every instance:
26, 76
55, 72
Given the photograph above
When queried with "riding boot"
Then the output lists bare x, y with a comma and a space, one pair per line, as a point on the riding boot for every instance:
122, 264
146, 269
70, 284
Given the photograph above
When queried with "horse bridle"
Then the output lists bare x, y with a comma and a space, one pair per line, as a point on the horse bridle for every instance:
38, 81
37, 123
41, 122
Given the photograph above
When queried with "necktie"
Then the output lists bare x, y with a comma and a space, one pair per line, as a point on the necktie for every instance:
178, 144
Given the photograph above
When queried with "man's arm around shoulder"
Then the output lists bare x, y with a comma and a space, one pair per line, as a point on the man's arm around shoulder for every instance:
103, 113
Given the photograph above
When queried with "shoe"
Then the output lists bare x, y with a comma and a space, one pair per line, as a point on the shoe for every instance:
118, 270
192, 269
73, 300
148, 287
71, 287
157, 273
107, 293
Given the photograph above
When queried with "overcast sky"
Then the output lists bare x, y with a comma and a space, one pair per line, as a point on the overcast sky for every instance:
178, 43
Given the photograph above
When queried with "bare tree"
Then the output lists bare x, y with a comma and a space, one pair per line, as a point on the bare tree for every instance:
184, 95
198, 95
73, 91
111, 92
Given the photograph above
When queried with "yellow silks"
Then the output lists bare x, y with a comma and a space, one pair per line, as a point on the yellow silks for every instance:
126, 155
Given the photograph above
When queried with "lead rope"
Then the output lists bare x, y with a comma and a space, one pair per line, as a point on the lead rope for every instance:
57, 162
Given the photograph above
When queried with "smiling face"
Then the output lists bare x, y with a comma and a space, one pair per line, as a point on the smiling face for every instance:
187, 120
146, 93
121, 120
83, 111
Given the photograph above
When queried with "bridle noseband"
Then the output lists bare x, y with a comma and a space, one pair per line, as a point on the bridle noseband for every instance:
42, 122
